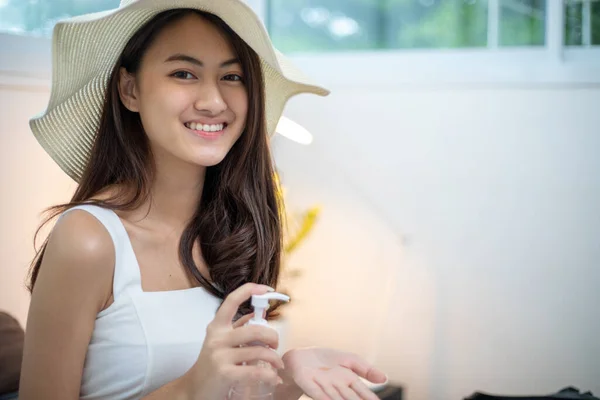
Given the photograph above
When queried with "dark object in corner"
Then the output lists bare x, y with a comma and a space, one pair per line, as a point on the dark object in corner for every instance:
564, 394
11, 353
390, 393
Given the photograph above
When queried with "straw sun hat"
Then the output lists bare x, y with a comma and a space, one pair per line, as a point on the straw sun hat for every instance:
86, 48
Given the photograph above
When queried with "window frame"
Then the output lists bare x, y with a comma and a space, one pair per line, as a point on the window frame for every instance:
26, 61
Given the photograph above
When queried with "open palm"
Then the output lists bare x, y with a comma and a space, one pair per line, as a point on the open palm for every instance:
328, 374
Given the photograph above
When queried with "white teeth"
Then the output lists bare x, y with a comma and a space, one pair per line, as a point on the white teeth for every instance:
206, 128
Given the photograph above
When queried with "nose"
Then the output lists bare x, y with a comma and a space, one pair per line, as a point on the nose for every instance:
210, 100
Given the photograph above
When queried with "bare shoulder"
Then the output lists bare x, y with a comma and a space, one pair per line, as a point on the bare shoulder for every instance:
80, 258
74, 283
80, 240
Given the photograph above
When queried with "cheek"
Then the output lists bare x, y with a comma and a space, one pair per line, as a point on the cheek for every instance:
238, 103
161, 107
168, 100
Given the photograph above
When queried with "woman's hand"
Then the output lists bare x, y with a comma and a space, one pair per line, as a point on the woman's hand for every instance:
219, 364
327, 374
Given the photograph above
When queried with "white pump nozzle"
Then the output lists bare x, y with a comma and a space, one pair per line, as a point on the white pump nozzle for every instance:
261, 303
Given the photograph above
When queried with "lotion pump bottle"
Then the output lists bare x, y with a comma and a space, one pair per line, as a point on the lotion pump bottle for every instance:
257, 390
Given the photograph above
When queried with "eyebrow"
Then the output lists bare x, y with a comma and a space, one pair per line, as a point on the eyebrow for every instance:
195, 61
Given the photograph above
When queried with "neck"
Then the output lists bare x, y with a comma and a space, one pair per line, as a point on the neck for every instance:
175, 200
175, 195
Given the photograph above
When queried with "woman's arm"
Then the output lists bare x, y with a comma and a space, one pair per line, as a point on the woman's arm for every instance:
73, 285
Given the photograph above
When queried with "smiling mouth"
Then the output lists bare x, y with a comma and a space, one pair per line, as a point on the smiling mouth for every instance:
205, 128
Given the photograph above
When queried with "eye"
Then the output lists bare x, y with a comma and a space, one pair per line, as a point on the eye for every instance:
183, 75
233, 78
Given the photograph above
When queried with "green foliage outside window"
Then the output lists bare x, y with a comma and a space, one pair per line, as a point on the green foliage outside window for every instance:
345, 25
338, 25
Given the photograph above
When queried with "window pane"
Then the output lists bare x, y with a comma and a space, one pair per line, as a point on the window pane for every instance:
37, 17
314, 25
298, 25
595, 23
573, 28
522, 22
582, 22
436, 23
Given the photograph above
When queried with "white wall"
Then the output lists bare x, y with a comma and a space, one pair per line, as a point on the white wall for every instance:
471, 212
30, 182
494, 193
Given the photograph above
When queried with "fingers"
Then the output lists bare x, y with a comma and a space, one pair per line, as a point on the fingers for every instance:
347, 393
253, 333
363, 369
235, 299
243, 320
343, 384
363, 391
329, 390
253, 374
340, 391
255, 353
312, 389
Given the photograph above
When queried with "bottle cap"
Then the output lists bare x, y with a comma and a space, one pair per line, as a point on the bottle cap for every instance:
261, 303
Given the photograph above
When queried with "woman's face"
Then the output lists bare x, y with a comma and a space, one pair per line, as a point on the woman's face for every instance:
189, 92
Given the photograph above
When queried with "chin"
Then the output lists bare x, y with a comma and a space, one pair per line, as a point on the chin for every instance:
206, 154
209, 161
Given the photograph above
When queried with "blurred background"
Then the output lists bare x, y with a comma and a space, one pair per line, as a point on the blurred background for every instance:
447, 208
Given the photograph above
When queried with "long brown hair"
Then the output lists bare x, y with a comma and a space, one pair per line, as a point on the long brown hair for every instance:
238, 220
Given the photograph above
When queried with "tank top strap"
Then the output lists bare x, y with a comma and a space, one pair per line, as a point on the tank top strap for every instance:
127, 272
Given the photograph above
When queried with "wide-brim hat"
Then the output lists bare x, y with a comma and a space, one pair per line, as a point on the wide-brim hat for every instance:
85, 49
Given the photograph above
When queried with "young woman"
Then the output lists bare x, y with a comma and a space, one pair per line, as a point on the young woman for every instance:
163, 117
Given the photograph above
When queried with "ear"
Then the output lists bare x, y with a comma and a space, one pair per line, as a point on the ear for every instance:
128, 91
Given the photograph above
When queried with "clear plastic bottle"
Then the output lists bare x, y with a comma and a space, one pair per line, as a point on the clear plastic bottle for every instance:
257, 390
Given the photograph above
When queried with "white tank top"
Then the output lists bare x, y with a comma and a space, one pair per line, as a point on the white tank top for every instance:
143, 340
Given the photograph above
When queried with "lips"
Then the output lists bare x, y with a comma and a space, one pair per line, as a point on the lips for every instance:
208, 128
209, 132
